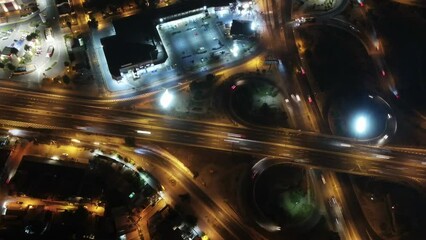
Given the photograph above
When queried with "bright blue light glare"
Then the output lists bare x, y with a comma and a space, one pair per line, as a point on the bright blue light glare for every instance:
360, 124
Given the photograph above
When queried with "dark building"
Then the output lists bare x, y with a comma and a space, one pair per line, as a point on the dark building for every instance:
136, 44
242, 28
7, 51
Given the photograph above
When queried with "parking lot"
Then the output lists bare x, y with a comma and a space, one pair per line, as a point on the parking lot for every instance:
197, 41
14, 35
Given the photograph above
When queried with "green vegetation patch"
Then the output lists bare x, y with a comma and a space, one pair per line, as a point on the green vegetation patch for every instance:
296, 204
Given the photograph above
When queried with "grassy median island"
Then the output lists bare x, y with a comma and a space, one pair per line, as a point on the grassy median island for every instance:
282, 195
259, 102
296, 204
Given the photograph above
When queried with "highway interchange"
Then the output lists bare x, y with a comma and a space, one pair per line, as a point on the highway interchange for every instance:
306, 148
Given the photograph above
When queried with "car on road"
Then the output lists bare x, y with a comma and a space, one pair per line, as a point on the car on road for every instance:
21, 69
50, 51
332, 201
298, 98
323, 179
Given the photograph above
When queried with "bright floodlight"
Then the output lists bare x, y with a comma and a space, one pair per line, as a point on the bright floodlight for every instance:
166, 99
253, 26
234, 50
361, 124
14, 131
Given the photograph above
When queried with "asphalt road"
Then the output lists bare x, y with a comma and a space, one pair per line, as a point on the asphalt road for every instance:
304, 148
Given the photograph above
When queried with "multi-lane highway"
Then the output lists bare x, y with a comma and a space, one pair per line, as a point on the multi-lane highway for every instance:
21, 108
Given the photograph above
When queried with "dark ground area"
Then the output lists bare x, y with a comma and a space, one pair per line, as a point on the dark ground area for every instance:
410, 210
3, 157
337, 59
402, 28
42, 180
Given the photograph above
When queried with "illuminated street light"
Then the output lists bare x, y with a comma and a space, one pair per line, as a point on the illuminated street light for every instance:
75, 140
360, 124
144, 132
253, 26
14, 131
166, 99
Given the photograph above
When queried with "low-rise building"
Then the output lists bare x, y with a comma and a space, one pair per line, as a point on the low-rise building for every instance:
15, 5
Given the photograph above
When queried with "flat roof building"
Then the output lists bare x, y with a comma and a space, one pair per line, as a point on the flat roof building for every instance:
242, 28
137, 43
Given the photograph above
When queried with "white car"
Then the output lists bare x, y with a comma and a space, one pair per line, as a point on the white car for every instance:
298, 97
50, 51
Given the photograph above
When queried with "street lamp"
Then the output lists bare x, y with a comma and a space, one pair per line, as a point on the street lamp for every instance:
234, 50
361, 124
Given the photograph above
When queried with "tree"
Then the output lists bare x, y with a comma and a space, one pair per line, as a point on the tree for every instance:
191, 220
66, 79
265, 110
71, 56
11, 67
32, 36
27, 47
66, 63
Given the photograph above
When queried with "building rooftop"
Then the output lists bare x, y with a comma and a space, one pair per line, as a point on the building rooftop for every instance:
120, 53
64, 9
137, 40
136, 28
9, 50
241, 28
